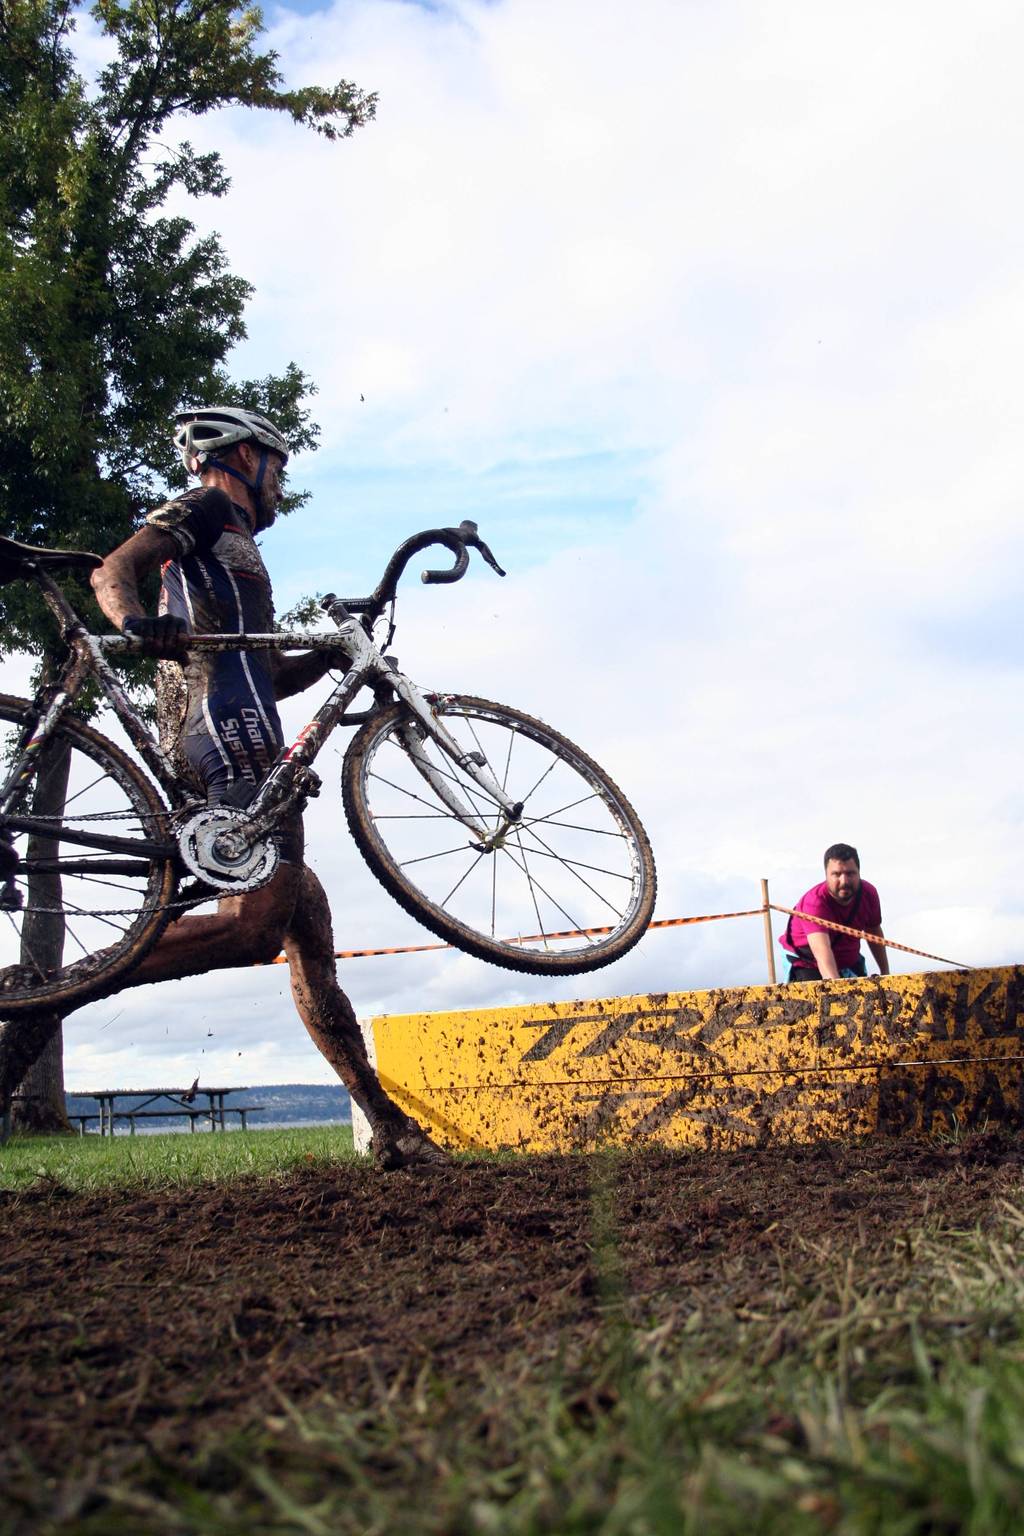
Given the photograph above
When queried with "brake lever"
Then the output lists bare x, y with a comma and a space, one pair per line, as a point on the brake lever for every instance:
482, 547
466, 535
477, 543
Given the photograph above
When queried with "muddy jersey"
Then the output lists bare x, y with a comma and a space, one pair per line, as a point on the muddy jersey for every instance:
224, 718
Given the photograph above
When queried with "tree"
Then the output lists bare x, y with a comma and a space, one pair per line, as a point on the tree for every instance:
113, 313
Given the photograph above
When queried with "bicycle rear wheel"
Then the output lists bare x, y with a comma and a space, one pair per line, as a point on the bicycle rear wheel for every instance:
107, 907
570, 887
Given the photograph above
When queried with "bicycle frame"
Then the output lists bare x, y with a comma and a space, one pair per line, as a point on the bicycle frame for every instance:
289, 781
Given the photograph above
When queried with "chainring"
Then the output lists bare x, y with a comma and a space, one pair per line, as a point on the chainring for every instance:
215, 845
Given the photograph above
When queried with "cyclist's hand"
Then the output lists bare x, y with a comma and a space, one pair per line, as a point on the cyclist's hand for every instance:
165, 636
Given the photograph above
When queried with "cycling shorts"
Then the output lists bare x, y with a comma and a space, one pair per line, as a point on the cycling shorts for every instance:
230, 743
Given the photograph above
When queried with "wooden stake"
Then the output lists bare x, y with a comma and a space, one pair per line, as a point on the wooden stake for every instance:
768, 944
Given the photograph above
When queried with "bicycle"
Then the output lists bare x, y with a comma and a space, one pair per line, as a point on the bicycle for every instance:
493, 830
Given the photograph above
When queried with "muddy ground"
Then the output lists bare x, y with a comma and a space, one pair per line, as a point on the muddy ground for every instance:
134, 1321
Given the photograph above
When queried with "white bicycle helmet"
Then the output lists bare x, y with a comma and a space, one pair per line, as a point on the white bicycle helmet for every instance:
199, 434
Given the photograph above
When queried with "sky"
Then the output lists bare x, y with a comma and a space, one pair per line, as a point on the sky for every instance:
711, 317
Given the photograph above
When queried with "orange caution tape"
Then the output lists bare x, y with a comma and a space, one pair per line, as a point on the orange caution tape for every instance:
530, 938
663, 922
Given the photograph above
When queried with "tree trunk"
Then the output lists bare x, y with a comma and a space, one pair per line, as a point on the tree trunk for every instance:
41, 1107
21, 1044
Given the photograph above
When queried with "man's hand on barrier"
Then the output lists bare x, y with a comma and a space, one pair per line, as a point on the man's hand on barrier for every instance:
165, 636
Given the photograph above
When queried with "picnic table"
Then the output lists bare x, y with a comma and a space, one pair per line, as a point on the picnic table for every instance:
177, 1102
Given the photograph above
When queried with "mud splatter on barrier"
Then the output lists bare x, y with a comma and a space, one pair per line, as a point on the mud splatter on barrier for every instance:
724, 1068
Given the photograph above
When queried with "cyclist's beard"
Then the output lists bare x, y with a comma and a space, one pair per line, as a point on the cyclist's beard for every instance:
267, 500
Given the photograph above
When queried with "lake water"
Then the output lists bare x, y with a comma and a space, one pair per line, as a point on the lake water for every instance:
181, 1128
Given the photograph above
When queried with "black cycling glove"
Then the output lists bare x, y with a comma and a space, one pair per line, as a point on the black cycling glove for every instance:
163, 636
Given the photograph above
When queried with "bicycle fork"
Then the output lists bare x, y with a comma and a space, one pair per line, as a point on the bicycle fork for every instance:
367, 663
474, 764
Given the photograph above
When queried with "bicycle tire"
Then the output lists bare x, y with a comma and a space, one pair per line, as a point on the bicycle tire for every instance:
102, 776
601, 813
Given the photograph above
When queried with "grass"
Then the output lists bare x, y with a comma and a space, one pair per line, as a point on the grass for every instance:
83, 1163
869, 1390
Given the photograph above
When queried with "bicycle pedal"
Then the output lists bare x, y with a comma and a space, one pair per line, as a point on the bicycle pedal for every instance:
308, 783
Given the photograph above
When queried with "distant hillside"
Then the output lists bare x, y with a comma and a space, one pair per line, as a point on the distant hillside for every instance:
329, 1105
302, 1101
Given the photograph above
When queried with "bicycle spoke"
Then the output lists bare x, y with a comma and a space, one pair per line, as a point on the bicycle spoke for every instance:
474, 793
442, 853
543, 852
486, 758
459, 882
573, 867
410, 794
76, 865
110, 884
535, 885
26, 950
94, 917
421, 816
476, 738
548, 770
508, 760
573, 826
446, 815
69, 931
440, 767
533, 898
562, 808
70, 799
494, 895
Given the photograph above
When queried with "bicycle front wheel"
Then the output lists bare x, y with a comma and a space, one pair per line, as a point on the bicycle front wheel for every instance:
88, 913
570, 887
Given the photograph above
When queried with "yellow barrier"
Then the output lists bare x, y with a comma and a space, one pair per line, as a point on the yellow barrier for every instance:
727, 1068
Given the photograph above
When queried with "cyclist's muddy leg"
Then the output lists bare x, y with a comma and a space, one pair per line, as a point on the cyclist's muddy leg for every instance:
244, 930
329, 1017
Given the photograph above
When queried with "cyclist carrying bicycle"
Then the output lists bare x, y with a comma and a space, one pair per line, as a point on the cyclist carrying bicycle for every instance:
218, 716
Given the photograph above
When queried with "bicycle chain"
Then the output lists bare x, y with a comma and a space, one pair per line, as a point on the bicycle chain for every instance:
106, 816
167, 906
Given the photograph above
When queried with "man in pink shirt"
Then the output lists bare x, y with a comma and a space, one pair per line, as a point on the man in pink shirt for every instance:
819, 954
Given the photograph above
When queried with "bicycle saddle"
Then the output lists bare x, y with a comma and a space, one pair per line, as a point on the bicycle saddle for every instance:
14, 557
